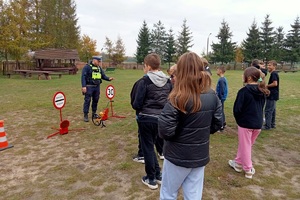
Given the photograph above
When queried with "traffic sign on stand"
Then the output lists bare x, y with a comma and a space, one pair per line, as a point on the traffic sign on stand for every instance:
59, 100
110, 94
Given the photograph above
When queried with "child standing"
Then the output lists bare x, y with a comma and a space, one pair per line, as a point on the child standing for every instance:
273, 86
151, 96
191, 114
222, 91
248, 113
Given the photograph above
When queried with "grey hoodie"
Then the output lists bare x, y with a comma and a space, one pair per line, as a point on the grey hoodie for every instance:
158, 78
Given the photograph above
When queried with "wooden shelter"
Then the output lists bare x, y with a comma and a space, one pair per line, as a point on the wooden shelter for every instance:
56, 60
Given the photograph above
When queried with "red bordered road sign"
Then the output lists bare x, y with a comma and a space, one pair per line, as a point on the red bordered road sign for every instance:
59, 100
110, 92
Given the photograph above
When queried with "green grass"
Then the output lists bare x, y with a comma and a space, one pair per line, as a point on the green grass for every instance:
91, 162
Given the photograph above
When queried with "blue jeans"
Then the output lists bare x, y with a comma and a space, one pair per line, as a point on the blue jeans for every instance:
92, 93
174, 177
270, 114
223, 113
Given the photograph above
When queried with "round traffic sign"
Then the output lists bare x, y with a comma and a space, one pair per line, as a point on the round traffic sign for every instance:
59, 100
110, 92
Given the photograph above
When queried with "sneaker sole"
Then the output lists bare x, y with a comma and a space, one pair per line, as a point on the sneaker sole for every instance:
152, 187
250, 175
139, 161
232, 166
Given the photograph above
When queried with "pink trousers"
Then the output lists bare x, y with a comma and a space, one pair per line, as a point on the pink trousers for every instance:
247, 138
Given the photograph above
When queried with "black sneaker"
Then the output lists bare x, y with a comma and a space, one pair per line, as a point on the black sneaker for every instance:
138, 159
265, 128
86, 118
150, 183
95, 116
158, 179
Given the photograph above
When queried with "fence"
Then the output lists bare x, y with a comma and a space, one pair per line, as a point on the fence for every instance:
9, 66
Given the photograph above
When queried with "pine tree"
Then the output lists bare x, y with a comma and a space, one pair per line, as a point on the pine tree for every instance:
224, 51
278, 47
292, 43
59, 23
184, 39
170, 51
143, 43
39, 39
267, 39
158, 39
252, 45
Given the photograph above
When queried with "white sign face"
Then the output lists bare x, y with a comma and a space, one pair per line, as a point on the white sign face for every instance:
59, 100
110, 92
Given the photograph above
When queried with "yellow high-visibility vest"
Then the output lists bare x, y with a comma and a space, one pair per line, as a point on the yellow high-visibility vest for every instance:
96, 73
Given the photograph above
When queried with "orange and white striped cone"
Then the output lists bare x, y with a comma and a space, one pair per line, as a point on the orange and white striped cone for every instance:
3, 141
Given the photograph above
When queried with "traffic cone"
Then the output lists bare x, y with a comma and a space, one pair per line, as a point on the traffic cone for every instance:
3, 141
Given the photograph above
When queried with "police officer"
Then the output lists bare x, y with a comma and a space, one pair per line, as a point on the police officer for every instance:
91, 78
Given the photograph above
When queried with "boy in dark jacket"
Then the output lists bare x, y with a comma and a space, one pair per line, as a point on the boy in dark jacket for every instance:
152, 95
222, 91
273, 86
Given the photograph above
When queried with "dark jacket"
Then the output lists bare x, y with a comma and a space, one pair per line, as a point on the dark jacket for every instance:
151, 95
248, 107
274, 91
187, 135
134, 92
222, 88
86, 76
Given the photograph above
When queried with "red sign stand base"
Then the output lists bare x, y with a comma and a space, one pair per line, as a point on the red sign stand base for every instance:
112, 112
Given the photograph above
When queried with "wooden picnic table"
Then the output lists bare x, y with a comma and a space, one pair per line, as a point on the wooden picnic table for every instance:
25, 73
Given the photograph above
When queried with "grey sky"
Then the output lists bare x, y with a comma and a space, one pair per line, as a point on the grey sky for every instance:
113, 18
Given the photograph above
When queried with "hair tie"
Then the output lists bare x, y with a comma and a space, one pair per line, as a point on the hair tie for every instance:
259, 80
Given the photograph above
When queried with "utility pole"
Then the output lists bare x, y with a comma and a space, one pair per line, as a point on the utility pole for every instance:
207, 44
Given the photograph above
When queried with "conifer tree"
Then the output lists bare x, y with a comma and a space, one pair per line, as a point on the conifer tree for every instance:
143, 43
170, 51
278, 47
292, 43
59, 23
184, 39
267, 38
158, 39
252, 45
224, 51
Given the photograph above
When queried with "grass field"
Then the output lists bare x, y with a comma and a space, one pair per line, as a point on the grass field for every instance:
96, 163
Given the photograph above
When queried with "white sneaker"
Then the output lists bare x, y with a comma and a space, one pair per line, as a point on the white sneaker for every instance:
138, 159
235, 166
250, 173
161, 156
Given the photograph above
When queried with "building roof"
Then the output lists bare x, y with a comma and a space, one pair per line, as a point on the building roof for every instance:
61, 54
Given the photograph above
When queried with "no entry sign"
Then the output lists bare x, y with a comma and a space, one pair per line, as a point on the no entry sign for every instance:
59, 100
110, 92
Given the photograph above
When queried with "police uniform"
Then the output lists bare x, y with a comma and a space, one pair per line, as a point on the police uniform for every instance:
91, 78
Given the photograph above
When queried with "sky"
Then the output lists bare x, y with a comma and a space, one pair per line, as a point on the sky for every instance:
124, 18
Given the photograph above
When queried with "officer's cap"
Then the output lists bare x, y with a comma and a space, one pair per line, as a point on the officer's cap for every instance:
99, 58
